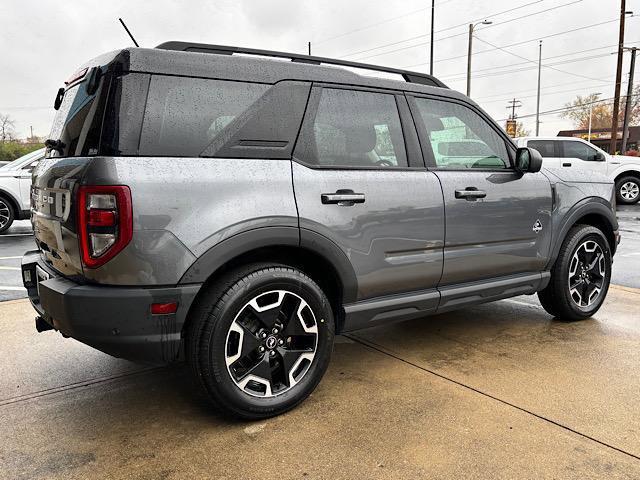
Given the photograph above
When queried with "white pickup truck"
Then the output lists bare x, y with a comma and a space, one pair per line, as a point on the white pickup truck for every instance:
15, 188
575, 153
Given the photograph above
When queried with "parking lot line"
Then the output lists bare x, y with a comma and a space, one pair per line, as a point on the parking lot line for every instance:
10, 258
12, 288
9, 268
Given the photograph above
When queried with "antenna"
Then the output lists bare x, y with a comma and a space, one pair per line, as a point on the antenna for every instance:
128, 32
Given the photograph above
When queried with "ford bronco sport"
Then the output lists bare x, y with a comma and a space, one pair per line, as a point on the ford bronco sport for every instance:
239, 211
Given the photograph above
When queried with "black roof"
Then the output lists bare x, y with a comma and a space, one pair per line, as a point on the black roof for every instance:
262, 66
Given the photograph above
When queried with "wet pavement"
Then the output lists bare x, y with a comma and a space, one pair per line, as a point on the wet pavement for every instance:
496, 391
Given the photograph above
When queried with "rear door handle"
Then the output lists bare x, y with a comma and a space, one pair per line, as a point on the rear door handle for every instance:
471, 193
566, 164
344, 198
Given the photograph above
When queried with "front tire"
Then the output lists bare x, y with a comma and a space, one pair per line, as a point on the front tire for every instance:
7, 215
580, 276
628, 190
261, 340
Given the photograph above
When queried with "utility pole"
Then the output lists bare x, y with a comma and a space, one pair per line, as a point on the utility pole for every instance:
433, 12
513, 104
31, 127
627, 106
469, 52
538, 99
309, 48
512, 124
616, 95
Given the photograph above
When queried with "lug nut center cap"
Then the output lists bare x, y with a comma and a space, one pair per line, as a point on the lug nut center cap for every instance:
271, 342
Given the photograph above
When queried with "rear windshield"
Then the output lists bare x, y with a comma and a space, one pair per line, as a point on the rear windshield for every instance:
74, 123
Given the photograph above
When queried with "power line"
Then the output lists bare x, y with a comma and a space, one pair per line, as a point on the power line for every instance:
534, 62
460, 76
438, 31
524, 63
575, 107
371, 25
533, 90
451, 36
382, 22
531, 40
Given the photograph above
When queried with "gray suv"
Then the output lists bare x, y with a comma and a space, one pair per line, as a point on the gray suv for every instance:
238, 211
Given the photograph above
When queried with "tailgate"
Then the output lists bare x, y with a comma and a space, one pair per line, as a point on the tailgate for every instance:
53, 212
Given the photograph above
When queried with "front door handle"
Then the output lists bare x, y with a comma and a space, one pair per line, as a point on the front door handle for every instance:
566, 164
344, 198
471, 193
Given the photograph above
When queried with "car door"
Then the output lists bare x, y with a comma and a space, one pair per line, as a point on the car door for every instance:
578, 155
361, 182
497, 219
550, 151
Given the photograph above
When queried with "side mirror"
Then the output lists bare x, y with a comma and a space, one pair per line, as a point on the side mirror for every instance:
528, 160
598, 157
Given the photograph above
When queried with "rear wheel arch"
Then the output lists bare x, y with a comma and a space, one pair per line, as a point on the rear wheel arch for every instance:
314, 255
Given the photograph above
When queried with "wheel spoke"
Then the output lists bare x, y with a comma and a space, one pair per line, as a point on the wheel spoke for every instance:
271, 343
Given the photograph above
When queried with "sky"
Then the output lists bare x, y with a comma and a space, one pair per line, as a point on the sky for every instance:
43, 42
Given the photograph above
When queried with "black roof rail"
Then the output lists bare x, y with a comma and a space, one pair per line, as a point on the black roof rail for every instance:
412, 77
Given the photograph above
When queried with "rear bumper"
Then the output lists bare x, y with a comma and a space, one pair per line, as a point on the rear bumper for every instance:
115, 320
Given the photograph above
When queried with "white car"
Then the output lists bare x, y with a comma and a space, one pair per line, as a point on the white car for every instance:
575, 153
15, 188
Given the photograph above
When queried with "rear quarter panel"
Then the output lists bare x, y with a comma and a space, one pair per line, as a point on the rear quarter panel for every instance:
184, 206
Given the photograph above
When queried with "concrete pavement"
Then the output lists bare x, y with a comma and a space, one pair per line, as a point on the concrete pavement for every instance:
496, 391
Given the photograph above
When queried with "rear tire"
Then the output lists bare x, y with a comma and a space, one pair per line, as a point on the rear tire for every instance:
628, 190
7, 214
580, 276
260, 340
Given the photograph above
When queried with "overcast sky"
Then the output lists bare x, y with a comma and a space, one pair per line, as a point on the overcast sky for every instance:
43, 42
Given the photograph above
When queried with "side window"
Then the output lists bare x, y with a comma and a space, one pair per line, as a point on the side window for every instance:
184, 115
578, 150
354, 129
545, 147
460, 138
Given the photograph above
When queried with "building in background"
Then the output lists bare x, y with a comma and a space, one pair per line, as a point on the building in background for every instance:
601, 137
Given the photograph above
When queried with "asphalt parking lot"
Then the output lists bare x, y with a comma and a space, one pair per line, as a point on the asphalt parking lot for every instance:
497, 391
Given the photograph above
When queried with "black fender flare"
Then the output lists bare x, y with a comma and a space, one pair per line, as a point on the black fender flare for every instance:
247, 241
586, 206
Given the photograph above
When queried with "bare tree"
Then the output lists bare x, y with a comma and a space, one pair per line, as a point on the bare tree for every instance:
7, 128
601, 111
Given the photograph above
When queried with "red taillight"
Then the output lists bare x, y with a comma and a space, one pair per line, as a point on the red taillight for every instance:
105, 222
102, 218
164, 308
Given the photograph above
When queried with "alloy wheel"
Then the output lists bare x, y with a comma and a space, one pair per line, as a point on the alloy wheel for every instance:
271, 343
629, 191
587, 273
5, 214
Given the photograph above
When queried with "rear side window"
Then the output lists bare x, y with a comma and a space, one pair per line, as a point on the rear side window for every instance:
353, 129
184, 115
460, 138
545, 147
